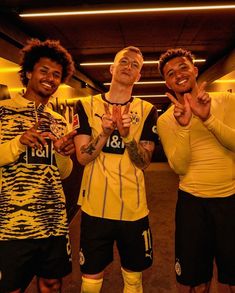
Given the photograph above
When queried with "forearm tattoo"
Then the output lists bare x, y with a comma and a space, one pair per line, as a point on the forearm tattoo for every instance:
90, 148
138, 154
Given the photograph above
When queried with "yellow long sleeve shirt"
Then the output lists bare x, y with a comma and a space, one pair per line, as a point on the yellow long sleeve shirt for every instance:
203, 154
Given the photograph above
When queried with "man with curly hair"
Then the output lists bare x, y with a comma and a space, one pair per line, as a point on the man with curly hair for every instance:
198, 136
35, 149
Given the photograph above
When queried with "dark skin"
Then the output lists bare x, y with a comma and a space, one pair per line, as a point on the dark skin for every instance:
44, 80
33, 138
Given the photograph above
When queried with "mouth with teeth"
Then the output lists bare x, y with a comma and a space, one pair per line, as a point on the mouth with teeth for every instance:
47, 85
183, 81
185, 86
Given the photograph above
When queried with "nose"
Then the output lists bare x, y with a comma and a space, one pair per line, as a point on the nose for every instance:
178, 73
129, 65
49, 76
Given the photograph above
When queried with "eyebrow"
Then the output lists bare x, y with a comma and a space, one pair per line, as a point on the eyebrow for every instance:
169, 71
181, 63
47, 67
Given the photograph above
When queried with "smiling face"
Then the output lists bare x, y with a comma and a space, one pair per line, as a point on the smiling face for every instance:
180, 75
126, 67
44, 79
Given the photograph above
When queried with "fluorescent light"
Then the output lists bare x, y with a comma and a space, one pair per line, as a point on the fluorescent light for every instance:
199, 60
151, 82
118, 11
145, 62
143, 82
111, 62
149, 96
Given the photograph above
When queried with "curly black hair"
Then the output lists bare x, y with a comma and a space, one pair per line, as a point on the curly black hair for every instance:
52, 49
173, 53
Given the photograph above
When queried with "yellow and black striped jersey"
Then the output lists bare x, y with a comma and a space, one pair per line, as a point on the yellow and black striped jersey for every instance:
112, 186
31, 196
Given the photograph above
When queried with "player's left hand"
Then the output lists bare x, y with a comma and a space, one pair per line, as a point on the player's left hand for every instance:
200, 105
65, 145
123, 119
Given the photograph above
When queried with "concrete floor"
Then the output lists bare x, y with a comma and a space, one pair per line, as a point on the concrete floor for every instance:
161, 185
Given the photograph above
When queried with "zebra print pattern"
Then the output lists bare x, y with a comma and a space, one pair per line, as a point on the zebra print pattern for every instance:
31, 197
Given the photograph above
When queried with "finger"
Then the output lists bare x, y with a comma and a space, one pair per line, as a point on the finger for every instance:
36, 125
172, 98
187, 98
202, 87
106, 109
127, 124
68, 152
204, 98
114, 113
68, 148
40, 139
71, 134
126, 109
36, 138
49, 135
119, 111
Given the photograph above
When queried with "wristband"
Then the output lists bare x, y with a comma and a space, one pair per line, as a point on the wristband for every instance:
127, 139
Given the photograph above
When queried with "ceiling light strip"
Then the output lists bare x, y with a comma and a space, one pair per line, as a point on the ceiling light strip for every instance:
143, 82
149, 96
145, 62
136, 10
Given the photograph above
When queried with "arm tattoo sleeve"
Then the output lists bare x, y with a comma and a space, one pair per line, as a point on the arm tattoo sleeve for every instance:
140, 156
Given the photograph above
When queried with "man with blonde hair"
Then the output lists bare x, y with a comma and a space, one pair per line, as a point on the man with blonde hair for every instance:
115, 142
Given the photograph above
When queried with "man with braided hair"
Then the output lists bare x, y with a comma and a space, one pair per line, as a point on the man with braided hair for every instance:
115, 142
198, 136
35, 149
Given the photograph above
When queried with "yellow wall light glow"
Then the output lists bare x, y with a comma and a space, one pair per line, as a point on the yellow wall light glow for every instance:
224, 81
9, 69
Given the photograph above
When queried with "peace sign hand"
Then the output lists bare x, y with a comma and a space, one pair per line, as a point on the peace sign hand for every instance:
182, 112
123, 119
108, 121
200, 105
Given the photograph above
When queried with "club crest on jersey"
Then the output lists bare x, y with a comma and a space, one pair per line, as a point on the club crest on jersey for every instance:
55, 130
135, 118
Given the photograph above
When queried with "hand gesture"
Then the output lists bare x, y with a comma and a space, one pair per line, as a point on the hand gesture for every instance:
200, 105
182, 112
65, 145
33, 138
108, 124
123, 120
